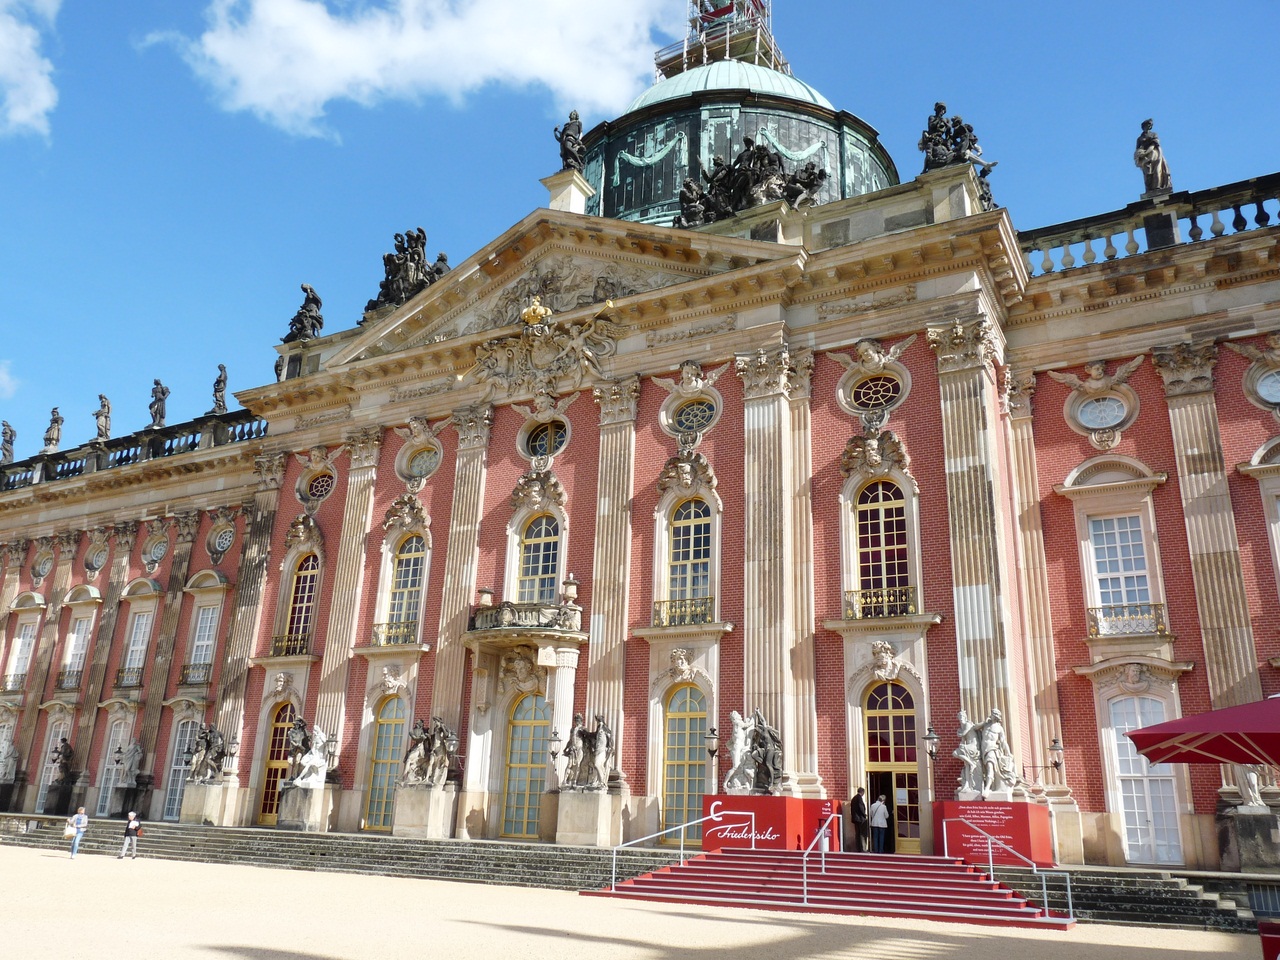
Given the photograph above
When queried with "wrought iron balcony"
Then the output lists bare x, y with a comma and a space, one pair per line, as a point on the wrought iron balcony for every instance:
879, 602
195, 673
13, 682
516, 616
1128, 619
69, 679
291, 645
394, 634
129, 677
681, 613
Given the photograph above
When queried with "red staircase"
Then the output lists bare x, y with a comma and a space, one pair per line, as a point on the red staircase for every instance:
931, 888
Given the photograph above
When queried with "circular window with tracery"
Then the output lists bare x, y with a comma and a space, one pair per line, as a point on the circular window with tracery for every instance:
42, 566
694, 416
1269, 387
546, 439
1102, 413
423, 463
223, 539
96, 559
320, 486
877, 392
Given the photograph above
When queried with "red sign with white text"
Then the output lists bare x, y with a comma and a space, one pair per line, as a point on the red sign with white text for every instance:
1022, 826
779, 823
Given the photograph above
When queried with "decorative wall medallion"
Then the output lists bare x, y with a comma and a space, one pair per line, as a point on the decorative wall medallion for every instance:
875, 453
318, 478
1101, 405
693, 405
537, 490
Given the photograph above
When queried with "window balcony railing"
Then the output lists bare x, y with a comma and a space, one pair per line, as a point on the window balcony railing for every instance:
682, 613
13, 682
129, 677
1128, 619
394, 634
291, 645
516, 616
69, 679
194, 673
879, 602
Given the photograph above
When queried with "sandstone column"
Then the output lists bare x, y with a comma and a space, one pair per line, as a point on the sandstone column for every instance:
348, 581
611, 565
472, 424
1230, 659
776, 678
251, 575
966, 350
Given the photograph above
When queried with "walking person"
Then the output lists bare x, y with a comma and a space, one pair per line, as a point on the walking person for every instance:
859, 814
879, 814
79, 822
132, 831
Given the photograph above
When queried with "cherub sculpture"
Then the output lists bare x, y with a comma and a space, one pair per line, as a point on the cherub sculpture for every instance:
1096, 379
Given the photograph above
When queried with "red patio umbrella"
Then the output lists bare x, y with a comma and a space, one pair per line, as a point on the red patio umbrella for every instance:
1249, 733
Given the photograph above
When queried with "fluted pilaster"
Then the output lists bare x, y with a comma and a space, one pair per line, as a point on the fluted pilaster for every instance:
472, 425
42, 659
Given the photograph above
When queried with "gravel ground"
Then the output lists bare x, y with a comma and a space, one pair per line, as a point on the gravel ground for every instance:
100, 908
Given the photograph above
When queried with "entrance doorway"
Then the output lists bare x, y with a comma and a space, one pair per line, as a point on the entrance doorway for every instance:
277, 765
893, 767
384, 764
526, 767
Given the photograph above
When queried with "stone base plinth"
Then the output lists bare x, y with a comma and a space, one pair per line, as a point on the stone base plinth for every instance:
1249, 840
422, 811
569, 191
203, 803
310, 809
589, 818
548, 816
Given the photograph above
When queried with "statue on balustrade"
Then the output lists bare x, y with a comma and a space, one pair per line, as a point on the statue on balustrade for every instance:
298, 742
949, 141
572, 150
102, 418
7, 436
207, 755
8, 760
314, 764
220, 391
742, 773
307, 323
406, 272
53, 436
1148, 156
159, 395
766, 752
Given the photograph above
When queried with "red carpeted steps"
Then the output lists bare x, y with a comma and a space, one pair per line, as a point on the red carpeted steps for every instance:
938, 888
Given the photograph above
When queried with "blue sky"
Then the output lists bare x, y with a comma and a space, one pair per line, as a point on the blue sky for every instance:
171, 172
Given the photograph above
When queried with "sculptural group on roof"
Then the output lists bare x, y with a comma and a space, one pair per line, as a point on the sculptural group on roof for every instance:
406, 272
756, 175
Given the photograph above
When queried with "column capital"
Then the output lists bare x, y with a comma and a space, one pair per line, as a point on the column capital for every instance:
472, 424
617, 400
1019, 387
125, 535
363, 447
963, 344
1186, 368
270, 468
187, 524
67, 543
778, 372
15, 551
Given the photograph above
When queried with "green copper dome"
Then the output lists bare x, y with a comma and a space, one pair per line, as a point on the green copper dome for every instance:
730, 75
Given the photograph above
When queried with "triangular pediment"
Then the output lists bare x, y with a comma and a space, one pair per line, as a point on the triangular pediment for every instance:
571, 262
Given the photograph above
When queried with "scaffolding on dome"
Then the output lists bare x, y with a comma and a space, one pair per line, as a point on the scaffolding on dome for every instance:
723, 30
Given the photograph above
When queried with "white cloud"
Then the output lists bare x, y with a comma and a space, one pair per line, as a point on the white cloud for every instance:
8, 382
27, 93
286, 60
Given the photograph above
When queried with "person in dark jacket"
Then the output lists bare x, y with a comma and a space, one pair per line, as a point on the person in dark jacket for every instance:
132, 828
860, 828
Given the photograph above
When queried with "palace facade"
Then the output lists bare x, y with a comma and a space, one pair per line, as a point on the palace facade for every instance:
862, 463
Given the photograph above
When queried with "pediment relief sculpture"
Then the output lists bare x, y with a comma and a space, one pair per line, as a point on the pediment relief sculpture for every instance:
303, 532
875, 453
536, 490
687, 473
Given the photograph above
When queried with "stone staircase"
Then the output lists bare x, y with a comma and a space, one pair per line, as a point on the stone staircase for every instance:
473, 861
859, 884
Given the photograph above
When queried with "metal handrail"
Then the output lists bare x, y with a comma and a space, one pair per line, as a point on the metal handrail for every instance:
991, 863
804, 860
682, 827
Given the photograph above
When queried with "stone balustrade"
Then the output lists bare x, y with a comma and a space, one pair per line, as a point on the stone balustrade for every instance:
1127, 619
1199, 215
214, 430
525, 616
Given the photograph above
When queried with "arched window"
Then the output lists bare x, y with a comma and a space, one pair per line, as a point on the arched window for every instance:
277, 765
1147, 793
302, 605
684, 761
893, 764
689, 542
539, 560
58, 730
384, 763
884, 588
184, 739
111, 770
405, 602
526, 766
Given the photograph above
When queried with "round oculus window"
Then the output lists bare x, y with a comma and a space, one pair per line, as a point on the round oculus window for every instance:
158, 550
42, 566
223, 539
877, 392
693, 416
423, 463
96, 559
1101, 413
320, 486
1269, 387
547, 439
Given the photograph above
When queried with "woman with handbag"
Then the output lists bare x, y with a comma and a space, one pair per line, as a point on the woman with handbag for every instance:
132, 831
76, 826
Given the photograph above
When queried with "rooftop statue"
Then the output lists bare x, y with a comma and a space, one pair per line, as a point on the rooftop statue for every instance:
406, 272
53, 436
220, 391
102, 417
947, 141
756, 176
7, 436
159, 394
1148, 156
307, 322
570, 140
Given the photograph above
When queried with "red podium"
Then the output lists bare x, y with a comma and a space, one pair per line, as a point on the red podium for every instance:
781, 823
1023, 826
